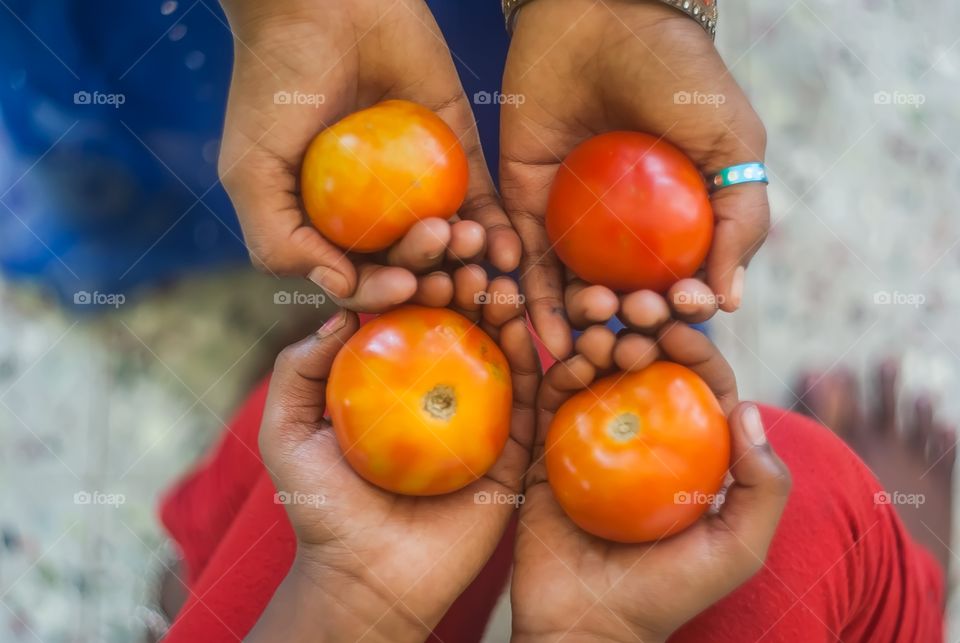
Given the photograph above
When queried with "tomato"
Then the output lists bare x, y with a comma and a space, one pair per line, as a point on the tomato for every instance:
420, 400
629, 211
638, 456
368, 178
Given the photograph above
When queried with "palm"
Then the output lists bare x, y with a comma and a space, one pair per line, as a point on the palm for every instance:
590, 583
585, 68
394, 542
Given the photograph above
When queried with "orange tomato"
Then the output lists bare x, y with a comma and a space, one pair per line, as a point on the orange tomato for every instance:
629, 211
368, 178
420, 400
638, 456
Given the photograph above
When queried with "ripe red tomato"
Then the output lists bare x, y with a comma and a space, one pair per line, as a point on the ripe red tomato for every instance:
630, 212
638, 456
368, 178
420, 400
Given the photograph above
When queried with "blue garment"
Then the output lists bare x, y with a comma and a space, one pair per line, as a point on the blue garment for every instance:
97, 90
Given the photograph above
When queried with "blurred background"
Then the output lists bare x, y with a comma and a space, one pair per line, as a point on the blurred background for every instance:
131, 324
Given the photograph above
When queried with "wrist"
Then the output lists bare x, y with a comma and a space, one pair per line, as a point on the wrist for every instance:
318, 603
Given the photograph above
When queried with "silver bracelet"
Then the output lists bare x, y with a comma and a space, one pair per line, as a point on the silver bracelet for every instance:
703, 11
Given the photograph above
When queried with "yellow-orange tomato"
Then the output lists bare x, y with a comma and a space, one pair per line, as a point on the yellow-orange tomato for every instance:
638, 456
368, 178
420, 401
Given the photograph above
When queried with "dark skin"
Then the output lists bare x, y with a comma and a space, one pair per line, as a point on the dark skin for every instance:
383, 560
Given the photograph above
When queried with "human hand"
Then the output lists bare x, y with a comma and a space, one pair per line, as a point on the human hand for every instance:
569, 584
344, 56
372, 564
585, 68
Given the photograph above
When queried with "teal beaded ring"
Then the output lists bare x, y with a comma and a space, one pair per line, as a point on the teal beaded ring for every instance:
737, 174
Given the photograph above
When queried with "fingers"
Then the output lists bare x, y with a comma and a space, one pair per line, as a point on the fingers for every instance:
469, 290
644, 310
635, 352
467, 241
434, 290
380, 288
422, 247
689, 347
589, 304
760, 490
295, 401
596, 344
541, 278
692, 301
516, 342
742, 216
501, 302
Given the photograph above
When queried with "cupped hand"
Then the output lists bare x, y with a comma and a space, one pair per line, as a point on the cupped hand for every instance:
372, 563
568, 584
585, 67
326, 59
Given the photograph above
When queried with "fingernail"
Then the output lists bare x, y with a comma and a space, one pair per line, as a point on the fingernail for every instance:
332, 325
753, 426
330, 280
736, 287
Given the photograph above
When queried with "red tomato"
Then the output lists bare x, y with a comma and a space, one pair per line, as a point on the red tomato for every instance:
630, 212
420, 400
638, 456
368, 178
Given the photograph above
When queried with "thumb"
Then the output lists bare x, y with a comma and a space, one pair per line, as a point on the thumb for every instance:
760, 490
741, 212
296, 399
742, 216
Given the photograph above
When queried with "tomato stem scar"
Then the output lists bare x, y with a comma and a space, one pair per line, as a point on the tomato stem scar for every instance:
623, 427
440, 402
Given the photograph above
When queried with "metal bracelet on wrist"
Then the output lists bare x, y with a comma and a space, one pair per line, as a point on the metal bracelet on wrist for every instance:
703, 11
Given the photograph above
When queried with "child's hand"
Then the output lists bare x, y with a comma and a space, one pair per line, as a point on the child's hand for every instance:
585, 68
571, 585
343, 56
371, 564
